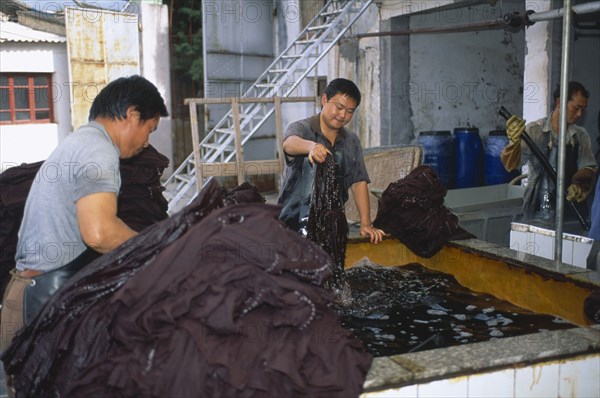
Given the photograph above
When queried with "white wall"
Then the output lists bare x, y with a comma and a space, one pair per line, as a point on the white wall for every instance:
155, 67
33, 142
536, 77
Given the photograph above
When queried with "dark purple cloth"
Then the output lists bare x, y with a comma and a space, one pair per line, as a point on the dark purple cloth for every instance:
211, 302
243, 193
412, 210
140, 201
15, 184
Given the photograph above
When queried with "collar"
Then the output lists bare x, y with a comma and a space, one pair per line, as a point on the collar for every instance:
547, 128
315, 125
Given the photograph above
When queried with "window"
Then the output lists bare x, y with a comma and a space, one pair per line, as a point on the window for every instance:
25, 98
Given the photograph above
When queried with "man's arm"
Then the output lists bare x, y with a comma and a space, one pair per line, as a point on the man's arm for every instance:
360, 193
99, 225
294, 146
511, 154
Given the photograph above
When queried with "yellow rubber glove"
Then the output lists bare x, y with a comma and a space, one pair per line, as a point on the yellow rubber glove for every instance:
575, 194
581, 185
514, 128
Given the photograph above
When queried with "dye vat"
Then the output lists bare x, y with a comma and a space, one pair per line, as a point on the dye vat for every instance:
395, 310
559, 358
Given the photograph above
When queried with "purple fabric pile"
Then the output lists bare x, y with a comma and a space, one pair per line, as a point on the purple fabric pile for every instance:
412, 210
210, 302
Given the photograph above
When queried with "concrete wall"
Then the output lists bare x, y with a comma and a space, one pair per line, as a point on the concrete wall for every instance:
154, 43
238, 47
436, 81
32, 142
461, 79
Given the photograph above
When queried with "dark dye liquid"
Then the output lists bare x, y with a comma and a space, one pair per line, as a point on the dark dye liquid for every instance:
395, 310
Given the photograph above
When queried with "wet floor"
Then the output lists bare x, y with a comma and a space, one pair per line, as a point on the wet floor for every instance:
395, 310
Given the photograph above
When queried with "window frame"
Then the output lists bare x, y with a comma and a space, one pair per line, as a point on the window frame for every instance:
31, 91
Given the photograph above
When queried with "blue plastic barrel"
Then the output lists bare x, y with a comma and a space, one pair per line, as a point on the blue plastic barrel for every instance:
439, 154
494, 170
468, 149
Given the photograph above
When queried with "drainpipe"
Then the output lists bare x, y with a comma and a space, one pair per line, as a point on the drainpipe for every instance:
562, 139
494, 23
586, 8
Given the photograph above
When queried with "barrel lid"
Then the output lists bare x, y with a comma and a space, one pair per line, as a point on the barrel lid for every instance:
498, 132
466, 130
436, 132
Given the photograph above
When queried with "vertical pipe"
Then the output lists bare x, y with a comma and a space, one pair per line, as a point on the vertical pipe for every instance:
562, 139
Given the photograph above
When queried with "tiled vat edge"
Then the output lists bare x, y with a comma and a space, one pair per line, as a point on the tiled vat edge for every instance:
485, 357
578, 274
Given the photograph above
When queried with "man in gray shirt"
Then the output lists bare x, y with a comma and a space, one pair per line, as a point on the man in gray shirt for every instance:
580, 163
311, 140
71, 209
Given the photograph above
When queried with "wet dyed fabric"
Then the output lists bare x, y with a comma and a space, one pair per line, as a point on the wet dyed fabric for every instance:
210, 302
243, 193
327, 224
412, 210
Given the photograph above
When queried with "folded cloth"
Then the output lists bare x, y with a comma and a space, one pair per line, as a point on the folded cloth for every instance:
211, 302
140, 201
243, 193
15, 184
411, 209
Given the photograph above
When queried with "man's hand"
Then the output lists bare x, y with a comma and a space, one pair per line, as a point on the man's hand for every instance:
514, 128
375, 234
581, 185
318, 153
576, 194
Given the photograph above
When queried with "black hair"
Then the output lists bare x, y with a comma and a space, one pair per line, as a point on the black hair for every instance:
574, 87
113, 100
343, 86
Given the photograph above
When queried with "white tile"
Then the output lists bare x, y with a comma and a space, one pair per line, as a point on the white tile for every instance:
493, 385
403, 392
448, 388
537, 381
580, 378
518, 240
544, 246
567, 251
530, 245
580, 253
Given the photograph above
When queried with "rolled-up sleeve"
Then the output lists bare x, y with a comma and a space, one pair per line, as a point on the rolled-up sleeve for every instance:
586, 155
359, 171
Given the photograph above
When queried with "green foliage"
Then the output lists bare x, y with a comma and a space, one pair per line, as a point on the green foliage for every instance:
187, 39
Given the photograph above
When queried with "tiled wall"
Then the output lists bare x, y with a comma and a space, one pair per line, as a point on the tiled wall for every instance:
579, 377
539, 243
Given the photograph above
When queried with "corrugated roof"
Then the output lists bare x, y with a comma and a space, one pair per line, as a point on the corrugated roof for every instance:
14, 32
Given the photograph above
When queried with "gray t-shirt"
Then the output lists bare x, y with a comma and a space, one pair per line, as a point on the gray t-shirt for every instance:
85, 163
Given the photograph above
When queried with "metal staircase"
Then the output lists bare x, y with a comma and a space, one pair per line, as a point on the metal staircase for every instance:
279, 79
